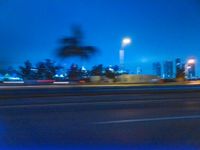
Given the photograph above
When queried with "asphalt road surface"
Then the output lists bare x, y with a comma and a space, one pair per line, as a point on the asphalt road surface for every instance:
100, 117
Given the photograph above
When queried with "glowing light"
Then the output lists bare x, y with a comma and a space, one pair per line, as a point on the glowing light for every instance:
83, 68
59, 76
191, 61
62, 76
126, 41
112, 70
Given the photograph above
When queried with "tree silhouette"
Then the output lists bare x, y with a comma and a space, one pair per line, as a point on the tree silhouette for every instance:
74, 72
26, 71
43, 70
73, 46
97, 70
47, 69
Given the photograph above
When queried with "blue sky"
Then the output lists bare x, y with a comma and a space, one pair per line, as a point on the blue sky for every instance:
160, 30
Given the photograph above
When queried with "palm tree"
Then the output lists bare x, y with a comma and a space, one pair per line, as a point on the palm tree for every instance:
73, 46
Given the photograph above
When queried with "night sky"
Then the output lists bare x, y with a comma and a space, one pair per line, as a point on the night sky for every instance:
160, 30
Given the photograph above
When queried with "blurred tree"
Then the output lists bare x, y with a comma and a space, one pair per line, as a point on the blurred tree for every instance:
47, 69
26, 71
97, 70
41, 70
73, 46
74, 72
11, 71
110, 73
116, 68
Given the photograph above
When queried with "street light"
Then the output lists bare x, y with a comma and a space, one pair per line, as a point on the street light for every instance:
125, 41
191, 61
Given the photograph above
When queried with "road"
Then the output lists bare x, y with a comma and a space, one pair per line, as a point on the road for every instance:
103, 117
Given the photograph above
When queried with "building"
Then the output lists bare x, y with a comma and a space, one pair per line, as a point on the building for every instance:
157, 69
180, 69
191, 72
168, 70
178, 65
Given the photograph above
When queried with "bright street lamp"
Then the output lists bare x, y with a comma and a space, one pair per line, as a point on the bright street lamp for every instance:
191, 61
125, 41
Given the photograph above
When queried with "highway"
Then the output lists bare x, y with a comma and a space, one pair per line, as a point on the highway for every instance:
142, 117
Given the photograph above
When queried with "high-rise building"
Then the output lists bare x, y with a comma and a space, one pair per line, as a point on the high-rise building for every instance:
191, 73
178, 65
168, 69
157, 69
180, 68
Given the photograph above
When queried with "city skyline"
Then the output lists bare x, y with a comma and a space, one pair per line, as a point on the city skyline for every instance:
177, 68
160, 30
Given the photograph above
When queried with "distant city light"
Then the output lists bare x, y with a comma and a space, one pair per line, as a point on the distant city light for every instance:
112, 70
83, 68
62, 76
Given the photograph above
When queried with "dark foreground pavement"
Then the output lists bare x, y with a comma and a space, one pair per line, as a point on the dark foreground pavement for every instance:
101, 118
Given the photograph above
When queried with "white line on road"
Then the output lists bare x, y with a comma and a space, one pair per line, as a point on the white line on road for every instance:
149, 119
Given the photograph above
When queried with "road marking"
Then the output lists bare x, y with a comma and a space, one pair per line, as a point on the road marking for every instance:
13, 82
149, 119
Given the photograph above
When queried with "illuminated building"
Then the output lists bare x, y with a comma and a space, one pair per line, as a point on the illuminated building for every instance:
168, 70
191, 73
157, 69
180, 69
